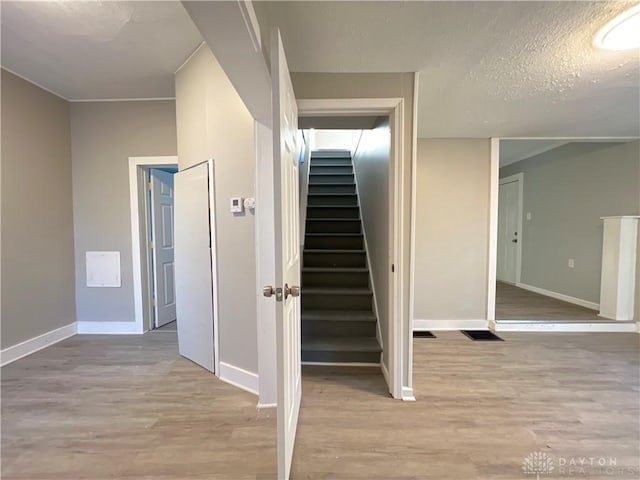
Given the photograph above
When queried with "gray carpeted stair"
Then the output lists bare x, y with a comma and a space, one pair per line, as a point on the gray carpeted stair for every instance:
338, 319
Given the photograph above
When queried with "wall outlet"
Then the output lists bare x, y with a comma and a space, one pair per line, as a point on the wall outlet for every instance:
528, 215
571, 263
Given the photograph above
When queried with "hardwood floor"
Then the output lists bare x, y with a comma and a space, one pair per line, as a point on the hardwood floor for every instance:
514, 303
97, 407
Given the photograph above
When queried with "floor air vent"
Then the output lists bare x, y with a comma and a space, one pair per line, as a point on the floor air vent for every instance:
482, 335
423, 335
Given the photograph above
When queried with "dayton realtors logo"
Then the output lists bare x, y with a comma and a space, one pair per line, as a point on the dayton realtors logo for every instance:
537, 463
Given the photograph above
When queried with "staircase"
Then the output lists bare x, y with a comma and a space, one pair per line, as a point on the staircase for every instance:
338, 320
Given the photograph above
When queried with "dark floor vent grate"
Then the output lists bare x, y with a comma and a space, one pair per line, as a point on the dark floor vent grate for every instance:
423, 335
482, 335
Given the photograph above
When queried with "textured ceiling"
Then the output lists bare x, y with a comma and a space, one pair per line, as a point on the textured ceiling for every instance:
486, 68
98, 50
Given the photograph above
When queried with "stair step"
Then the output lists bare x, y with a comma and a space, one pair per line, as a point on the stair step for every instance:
334, 258
341, 350
332, 199
332, 188
333, 211
345, 298
330, 169
335, 277
324, 153
331, 161
315, 178
334, 241
339, 315
333, 225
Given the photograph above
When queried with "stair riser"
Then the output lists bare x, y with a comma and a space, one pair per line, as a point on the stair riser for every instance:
340, 357
334, 259
330, 161
339, 243
320, 169
320, 188
342, 200
319, 178
328, 226
328, 212
337, 279
336, 302
338, 329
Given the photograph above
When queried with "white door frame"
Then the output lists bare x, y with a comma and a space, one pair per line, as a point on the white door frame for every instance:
399, 329
140, 261
519, 178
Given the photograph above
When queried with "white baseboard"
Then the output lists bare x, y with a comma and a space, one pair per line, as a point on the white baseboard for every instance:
428, 325
575, 327
407, 394
108, 328
238, 377
385, 374
560, 296
22, 349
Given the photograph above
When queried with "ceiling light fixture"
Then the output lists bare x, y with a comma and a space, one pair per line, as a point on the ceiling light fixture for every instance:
621, 33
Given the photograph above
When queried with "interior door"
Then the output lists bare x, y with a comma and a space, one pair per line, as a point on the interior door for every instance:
508, 235
193, 266
162, 221
287, 252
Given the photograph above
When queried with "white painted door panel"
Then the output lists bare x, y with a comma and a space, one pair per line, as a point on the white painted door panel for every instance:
508, 235
162, 221
193, 275
287, 250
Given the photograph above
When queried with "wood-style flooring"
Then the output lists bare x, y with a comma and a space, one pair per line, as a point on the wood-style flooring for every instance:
97, 407
514, 303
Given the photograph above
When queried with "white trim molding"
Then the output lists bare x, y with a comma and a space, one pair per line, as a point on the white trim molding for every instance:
109, 328
492, 253
407, 394
141, 312
433, 325
568, 326
239, 377
32, 345
560, 296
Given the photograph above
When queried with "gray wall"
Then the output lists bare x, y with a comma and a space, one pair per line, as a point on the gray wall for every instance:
104, 135
374, 85
37, 220
213, 123
371, 164
452, 229
567, 190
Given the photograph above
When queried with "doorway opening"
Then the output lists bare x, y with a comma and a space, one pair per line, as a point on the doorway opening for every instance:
553, 195
152, 226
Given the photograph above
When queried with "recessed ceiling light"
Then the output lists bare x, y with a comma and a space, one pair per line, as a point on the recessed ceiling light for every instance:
621, 33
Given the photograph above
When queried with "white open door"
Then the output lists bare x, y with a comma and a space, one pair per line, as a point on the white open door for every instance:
162, 222
193, 265
287, 255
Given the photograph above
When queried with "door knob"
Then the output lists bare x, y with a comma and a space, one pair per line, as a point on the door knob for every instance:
294, 291
268, 291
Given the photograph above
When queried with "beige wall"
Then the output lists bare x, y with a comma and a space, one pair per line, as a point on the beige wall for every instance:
372, 167
37, 220
213, 123
374, 85
567, 190
452, 229
104, 135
